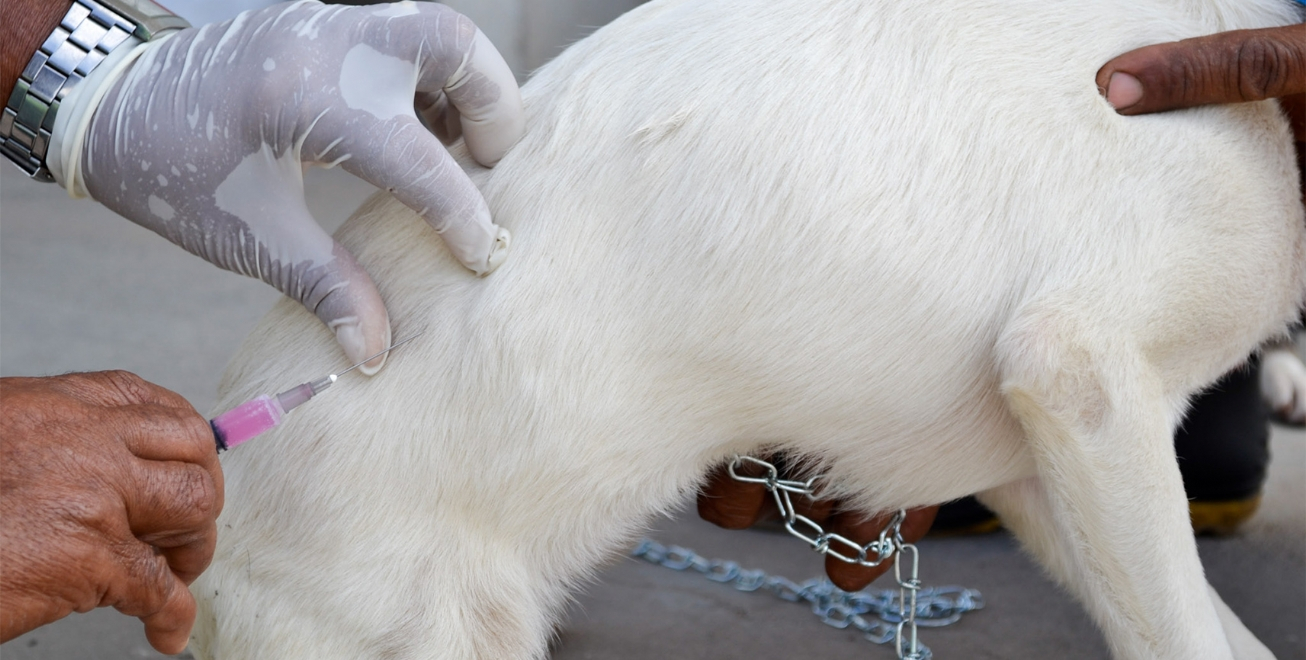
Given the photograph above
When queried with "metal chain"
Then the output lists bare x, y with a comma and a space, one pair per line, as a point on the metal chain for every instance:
913, 607
935, 607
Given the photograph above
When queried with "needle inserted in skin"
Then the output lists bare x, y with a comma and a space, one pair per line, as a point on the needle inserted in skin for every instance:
259, 414
369, 359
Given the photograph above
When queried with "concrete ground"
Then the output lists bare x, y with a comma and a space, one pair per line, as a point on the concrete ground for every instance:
82, 289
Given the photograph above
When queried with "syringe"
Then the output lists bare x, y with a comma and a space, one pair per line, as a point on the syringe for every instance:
263, 413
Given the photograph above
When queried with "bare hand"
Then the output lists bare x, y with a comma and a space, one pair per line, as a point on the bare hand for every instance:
737, 505
110, 493
1229, 67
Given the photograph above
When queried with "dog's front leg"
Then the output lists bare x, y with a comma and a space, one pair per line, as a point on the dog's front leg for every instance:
1107, 514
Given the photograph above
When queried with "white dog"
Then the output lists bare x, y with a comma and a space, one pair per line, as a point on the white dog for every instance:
909, 239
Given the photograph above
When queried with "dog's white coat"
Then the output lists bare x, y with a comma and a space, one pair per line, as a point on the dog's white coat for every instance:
909, 239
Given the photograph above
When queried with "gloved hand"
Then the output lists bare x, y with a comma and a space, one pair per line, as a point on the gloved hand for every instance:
203, 139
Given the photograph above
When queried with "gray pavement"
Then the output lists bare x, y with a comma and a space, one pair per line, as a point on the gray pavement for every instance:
81, 289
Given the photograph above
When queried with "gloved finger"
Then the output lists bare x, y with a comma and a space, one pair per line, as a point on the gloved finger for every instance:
439, 117
281, 244
1228, 67
863, 530
142, 585
485, 95
451, 56
399, 155
344, 297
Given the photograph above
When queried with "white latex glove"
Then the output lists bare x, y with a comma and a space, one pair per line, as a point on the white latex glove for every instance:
1283, 383
204, 137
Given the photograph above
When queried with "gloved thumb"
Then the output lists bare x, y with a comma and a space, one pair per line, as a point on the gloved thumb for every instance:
347, 301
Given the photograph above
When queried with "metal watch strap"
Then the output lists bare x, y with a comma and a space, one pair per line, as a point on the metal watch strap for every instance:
88, 33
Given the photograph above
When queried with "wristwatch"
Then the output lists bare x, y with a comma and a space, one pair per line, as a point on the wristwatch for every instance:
87, 34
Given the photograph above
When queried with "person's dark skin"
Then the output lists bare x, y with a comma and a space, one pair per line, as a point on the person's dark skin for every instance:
737, 505
1230, 67
25, 26
110, 490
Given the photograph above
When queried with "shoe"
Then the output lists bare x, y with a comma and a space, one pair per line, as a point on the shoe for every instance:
1221, 518
964, 517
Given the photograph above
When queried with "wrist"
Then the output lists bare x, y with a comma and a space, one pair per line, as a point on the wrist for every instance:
26, 25
88, 32
23, 607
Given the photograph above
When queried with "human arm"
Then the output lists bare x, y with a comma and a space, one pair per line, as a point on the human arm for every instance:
202, 139
26, 24
109, 496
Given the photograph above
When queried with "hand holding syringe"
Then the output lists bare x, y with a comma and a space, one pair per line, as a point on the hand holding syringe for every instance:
252, 418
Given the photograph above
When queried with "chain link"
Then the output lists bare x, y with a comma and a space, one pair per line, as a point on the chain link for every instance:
876, 613
898, 617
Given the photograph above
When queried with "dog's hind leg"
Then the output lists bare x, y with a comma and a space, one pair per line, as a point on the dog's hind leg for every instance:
1026, 510
1107, 514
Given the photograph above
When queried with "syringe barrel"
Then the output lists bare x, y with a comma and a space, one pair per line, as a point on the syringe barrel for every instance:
292, 398
246, 421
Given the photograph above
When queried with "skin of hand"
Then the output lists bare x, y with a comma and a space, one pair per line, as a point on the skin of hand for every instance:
1228, 67
1283, 383
732, 504
204, 140
110, 490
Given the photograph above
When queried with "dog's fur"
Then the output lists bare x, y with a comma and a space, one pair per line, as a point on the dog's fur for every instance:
910, 240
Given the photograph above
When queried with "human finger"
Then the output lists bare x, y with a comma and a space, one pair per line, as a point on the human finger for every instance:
170, 436
401, 156
439, 117
168, 630
862, 530
142, 585
728, 503
174, 507
1227, 67
291, 252
157, 433
489, 105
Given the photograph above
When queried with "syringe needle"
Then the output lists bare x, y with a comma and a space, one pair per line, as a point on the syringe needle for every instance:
369, 359
264, 412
